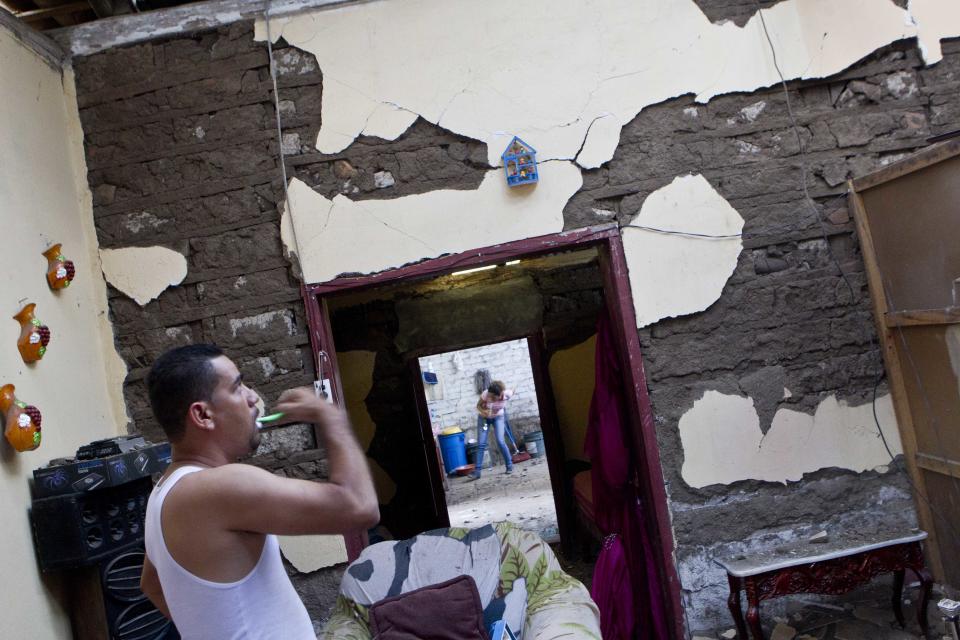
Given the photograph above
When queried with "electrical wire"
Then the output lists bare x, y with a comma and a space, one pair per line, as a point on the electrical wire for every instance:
803, 154
321, 355
782, 229
691, 234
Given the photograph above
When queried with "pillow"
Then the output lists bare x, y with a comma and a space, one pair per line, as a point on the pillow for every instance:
447, 611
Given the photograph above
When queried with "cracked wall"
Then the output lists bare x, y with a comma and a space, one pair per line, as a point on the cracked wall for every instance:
323, 232
673, 273
784, 317
489, 79
723, 443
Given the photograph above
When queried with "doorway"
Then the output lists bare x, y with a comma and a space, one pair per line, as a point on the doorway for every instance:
513, 481
368, 319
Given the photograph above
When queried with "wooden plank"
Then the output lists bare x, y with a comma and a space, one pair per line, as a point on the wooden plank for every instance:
944, 466
48, 50
179, 150
920, 160
922, 317
107, 33
37, 15
167, 80
891, 359
203, 189
192, 314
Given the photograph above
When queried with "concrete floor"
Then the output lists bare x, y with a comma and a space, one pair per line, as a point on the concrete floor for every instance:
525, 498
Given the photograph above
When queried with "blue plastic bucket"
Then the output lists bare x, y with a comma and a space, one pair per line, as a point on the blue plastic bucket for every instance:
453, 451
534, 442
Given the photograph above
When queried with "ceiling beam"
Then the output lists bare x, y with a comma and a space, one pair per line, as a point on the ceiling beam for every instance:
35, 15
99, 35
48, 50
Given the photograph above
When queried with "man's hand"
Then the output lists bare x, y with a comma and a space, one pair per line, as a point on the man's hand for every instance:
304, 405
246, 498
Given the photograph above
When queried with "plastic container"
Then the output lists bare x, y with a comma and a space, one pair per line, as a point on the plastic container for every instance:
452, 450
472, 456
534, 443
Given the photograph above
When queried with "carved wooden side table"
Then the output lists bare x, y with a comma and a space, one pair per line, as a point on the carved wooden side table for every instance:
832, 569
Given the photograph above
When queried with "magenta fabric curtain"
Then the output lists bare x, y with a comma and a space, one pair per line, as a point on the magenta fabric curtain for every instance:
626, 583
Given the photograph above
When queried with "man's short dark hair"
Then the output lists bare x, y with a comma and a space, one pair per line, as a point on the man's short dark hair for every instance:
495, 388
177, 379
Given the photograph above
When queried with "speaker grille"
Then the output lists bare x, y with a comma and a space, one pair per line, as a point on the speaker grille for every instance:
141, 621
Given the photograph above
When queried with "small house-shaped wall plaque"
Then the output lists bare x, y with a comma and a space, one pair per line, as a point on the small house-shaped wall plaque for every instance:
520, 163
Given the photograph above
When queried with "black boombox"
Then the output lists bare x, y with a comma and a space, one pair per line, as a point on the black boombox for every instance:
91, 507
87, 516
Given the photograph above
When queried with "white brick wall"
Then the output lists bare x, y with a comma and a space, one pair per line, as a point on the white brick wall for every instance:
506, 361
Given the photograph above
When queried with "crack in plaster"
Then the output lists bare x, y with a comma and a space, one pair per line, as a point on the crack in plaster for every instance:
673, 275
722, 441
473, 78
345, 236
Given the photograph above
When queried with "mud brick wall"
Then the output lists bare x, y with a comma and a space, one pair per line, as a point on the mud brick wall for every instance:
786, 317
181, 152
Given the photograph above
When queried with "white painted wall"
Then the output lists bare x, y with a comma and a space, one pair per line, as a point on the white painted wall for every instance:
143, 273
506, 361
337, 236
673, 274
77, 386
566, 75
723, 443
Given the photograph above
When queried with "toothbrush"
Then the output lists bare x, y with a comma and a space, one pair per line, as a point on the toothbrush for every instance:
270, 418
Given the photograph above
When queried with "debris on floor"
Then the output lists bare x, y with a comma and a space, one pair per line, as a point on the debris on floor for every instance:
524, 497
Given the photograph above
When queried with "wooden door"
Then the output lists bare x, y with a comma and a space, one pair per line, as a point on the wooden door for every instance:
434, 488
908, 220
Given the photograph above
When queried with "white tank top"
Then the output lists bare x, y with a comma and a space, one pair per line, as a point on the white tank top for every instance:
261, 606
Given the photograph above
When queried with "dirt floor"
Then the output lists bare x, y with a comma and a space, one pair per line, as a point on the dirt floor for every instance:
523, 497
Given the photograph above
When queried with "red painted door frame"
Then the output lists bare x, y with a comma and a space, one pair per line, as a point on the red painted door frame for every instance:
620, 307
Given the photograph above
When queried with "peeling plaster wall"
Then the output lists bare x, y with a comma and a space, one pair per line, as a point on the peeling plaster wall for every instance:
77, 385
489, 78
409, 229
167, 168
143, 273
673, 274
722, 441
310, 553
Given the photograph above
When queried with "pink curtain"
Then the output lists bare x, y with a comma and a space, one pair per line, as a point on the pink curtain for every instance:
626, 583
